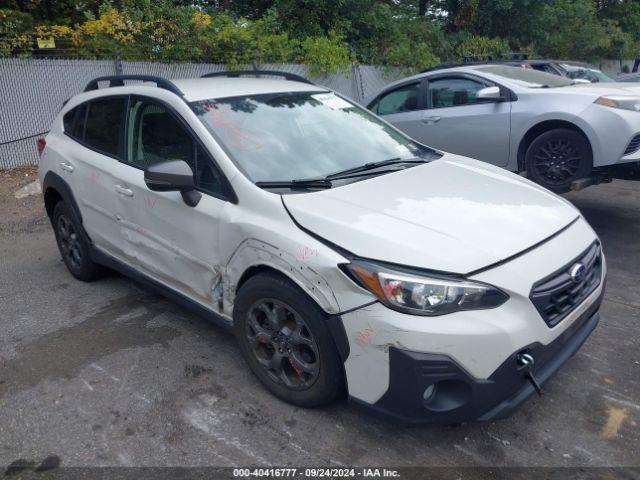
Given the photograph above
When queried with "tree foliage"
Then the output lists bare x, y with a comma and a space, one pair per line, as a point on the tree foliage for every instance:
328, 34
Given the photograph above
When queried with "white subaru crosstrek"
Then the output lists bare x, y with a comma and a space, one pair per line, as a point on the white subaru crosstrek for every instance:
345, 256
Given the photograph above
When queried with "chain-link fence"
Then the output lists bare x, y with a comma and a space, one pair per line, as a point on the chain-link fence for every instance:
33, 90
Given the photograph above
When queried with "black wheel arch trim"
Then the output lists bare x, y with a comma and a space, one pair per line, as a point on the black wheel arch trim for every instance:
339, 334
54, 181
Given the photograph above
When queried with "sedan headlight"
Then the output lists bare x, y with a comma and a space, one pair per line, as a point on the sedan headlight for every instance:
423, 295
625, 102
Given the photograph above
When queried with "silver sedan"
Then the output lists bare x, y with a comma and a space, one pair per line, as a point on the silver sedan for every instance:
564, 135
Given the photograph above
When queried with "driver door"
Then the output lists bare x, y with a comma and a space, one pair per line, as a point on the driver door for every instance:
162, 236
457, 121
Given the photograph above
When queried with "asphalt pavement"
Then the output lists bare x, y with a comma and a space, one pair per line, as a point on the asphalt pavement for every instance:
110, 373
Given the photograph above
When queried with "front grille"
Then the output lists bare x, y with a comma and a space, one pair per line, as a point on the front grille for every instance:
557, 295
633, 146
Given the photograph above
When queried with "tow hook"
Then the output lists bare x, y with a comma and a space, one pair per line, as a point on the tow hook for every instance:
525, 365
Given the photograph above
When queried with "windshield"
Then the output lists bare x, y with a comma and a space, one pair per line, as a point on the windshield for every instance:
586, 73
526, 77
287, 136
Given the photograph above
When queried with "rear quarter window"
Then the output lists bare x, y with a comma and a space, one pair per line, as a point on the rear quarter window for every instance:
73, 121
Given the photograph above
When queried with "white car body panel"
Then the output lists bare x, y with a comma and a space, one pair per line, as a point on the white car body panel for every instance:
480, 340
452, 215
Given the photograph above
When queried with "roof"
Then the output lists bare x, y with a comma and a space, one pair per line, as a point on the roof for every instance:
195, 89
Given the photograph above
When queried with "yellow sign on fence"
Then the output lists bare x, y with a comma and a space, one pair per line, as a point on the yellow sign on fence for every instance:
46, 42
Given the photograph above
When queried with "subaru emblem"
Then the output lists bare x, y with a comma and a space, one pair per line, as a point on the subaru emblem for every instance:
578, 272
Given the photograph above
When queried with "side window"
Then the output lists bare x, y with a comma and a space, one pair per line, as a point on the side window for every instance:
104, 121
545, 67
453, 92
403, 99
207, 175
67, 120
73, 121
157, 135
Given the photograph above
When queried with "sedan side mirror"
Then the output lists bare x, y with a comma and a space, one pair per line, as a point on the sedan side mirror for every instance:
173, 176
491, 94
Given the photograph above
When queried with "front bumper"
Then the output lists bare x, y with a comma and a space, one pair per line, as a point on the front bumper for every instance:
474, 345
458, 396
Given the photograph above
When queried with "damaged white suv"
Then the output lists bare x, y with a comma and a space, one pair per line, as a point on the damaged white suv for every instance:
346, 257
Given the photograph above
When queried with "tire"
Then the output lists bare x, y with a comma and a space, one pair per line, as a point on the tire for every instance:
73, 245
558, 157
284, 339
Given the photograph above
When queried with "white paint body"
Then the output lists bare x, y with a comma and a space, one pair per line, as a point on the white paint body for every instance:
454, 214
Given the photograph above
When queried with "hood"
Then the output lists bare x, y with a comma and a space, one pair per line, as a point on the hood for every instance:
452, 215
598, 89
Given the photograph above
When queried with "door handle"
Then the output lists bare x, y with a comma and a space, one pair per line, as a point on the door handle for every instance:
431, 120
127, 192
67, 166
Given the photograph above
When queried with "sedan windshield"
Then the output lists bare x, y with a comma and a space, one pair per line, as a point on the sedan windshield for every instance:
298, 135
526, 77
586, 73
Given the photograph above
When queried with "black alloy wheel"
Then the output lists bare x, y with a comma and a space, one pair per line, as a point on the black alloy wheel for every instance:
73, 244
285, 339
557, 161
282, 344
69, 242
557, 158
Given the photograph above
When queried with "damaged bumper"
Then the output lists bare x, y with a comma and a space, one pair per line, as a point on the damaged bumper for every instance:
434, 388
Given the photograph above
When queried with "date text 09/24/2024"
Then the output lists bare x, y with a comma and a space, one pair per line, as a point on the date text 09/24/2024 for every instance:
316, 472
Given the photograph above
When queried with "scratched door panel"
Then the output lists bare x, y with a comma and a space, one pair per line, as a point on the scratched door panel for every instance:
97, 199
167, 239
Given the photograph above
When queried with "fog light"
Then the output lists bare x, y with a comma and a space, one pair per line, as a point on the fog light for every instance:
446, 395
429, 392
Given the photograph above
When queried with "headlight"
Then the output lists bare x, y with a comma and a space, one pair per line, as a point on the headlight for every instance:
625, 102
423, 295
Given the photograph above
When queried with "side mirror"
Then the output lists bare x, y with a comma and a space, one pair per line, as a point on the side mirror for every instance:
173, 176
490, 93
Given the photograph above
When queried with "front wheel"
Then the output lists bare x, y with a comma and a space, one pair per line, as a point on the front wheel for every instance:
284, 338
557, 158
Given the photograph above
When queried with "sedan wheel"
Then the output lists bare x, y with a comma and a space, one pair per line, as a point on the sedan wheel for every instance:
557, 161
556, 158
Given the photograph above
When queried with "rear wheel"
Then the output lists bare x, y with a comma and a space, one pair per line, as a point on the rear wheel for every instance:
557, 158
284, 338
73, 246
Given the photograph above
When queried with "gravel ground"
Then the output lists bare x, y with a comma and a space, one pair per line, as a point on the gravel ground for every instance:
111, 374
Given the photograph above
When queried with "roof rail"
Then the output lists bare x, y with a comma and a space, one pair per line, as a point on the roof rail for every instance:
118, 81
257, 73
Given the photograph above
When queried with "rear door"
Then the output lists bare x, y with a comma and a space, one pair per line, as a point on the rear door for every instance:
161, 235
98, 146
457, 121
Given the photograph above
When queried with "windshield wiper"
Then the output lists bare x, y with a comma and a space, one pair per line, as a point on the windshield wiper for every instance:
320, 183
371, 166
